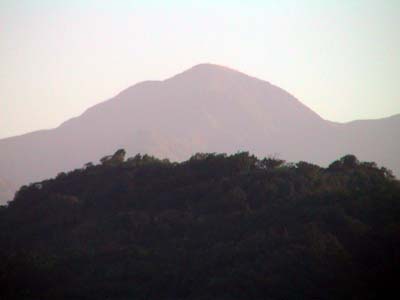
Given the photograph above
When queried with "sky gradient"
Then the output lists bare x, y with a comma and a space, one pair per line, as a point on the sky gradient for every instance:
57, 58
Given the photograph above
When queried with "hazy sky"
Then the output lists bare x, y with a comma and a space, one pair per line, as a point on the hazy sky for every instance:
57, 58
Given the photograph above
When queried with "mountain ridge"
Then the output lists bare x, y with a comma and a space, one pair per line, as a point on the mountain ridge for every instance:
207, 108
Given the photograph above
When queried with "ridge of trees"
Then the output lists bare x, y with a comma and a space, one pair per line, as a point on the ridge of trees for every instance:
215, 226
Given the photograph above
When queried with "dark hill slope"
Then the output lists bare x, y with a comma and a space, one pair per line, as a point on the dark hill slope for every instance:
212, 227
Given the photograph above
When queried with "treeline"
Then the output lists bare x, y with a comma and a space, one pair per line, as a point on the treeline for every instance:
212, 227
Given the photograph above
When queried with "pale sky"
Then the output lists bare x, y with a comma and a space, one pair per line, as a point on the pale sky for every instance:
57, 58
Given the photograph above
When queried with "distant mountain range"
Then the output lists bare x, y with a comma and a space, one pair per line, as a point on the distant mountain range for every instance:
207, 108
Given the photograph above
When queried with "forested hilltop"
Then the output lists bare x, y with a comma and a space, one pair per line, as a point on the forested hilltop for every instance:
212, 227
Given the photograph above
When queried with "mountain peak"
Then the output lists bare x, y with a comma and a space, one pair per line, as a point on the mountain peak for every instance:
209, 71
210, 67
207, 108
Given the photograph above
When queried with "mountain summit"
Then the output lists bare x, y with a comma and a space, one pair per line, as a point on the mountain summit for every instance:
207, 108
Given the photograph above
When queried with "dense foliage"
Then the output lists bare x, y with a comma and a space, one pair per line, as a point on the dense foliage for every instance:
212, 227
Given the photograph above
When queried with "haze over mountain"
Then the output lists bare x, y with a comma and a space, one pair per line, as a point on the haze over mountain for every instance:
207, 108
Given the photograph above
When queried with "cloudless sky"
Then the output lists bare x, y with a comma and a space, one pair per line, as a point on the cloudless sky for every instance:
57, 58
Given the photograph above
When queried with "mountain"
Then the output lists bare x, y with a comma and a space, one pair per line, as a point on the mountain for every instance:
207, 108
7, 189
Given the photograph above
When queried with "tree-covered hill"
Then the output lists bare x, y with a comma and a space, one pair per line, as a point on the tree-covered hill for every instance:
212, 227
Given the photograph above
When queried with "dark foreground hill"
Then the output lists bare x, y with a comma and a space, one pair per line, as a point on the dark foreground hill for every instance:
207, 108
212, 227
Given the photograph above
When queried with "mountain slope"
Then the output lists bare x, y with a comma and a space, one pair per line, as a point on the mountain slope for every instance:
207, 108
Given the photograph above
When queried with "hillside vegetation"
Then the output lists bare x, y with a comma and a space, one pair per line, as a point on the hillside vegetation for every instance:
212, 227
